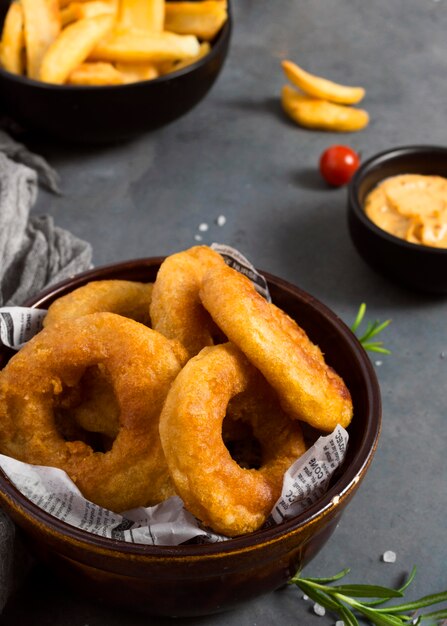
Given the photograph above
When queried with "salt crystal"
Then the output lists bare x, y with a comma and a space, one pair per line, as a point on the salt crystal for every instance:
319, 610
203, 227
389, 557
339, 623
379, 363
221, 220
305, 597
198, 237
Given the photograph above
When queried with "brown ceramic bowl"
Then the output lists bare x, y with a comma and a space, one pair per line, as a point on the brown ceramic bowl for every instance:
193, 580
419, 267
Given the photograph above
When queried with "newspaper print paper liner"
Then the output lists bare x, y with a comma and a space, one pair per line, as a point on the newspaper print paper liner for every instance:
167, 523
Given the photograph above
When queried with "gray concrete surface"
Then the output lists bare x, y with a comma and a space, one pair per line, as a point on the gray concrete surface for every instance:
236, 155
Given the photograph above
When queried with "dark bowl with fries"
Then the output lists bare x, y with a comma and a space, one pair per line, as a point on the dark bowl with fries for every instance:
110, 113
197, 579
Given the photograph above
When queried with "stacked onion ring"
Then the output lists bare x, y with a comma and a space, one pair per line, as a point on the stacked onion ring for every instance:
169, 376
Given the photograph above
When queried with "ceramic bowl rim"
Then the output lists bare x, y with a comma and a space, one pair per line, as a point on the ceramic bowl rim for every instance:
219, 41
331, 499
374, 163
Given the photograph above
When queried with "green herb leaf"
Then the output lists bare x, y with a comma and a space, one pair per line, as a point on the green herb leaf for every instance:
435, 615
343, 601
435, 598
368, 591
376, 347
318, 596
405, 586
372, 330
326, 580
359, 318
379, 619
347, 616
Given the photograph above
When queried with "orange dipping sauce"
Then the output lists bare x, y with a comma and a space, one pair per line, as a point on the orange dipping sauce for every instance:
412, 207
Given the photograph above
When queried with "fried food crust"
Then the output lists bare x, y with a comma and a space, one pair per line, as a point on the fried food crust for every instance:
97, 410
124, 297
176, 310
92, 404
308, 388
141, 364
223, 495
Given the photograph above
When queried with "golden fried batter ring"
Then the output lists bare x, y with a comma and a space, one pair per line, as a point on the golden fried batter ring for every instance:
97, 410
176, 310
124, 297
92, 404
223, 495
307, 387
141, 364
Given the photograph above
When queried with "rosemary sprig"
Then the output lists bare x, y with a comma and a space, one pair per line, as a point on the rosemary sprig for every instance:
372, 330
344, 601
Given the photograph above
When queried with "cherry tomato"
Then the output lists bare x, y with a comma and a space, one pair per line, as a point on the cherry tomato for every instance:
338, 164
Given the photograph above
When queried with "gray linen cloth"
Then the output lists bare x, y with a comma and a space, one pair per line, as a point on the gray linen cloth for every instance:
34, 253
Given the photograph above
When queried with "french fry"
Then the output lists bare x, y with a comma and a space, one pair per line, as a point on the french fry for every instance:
313, 112
203, 19
73, 46
100, 42
82, 10
321, 87
65, 3
205, 48
137, 47
13, 40
95, 74
134, 72
42, 26
147, 15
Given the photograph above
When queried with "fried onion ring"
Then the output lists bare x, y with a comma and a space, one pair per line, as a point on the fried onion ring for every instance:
124, 297
92, 404
141, 364
96, 409
176, 310
223, 495
307, 387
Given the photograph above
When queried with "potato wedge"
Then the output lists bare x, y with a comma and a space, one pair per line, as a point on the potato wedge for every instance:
95, 74
13, 40
321, 87
81, 10
42, 26
73, 46
135, 46
134, 72
147, 15
320, 114
203, 19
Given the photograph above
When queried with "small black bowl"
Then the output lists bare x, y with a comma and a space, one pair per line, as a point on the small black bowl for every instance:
419, 267
110, 113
